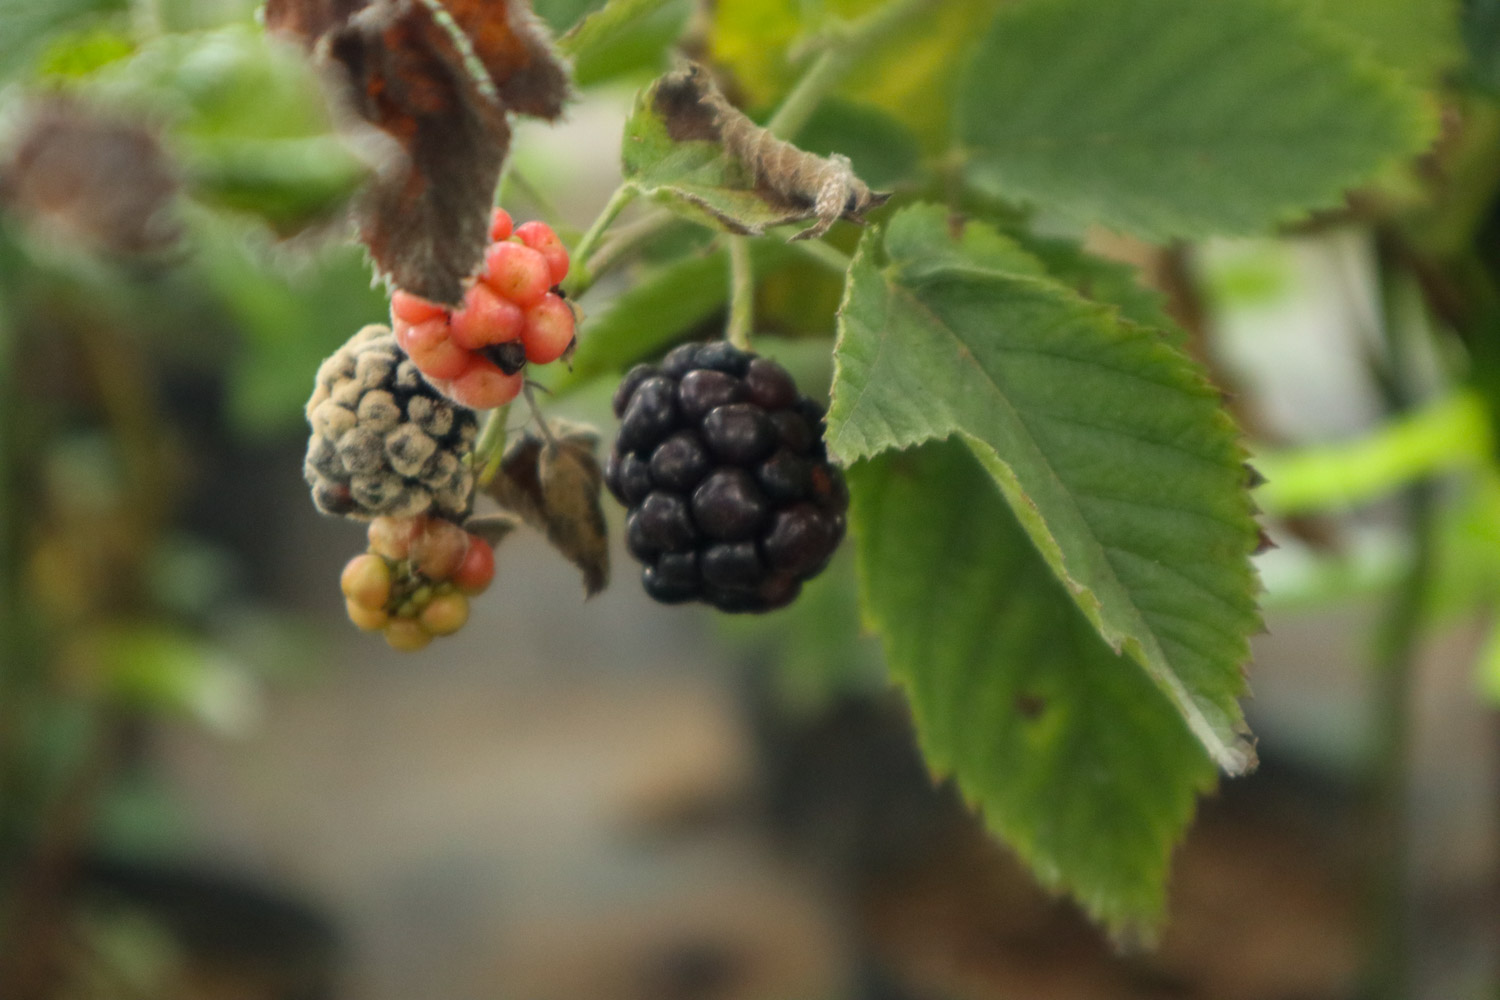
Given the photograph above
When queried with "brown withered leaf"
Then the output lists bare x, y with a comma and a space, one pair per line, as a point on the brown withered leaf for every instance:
90, 179
437, 77
555, 487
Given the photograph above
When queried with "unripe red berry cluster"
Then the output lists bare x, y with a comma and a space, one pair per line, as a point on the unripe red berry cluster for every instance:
510, 316
416, 579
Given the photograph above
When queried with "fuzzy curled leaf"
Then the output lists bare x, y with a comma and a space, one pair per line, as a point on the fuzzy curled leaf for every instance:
436, 79
555, 487
1065, 748
1172, 118
1110, 445
685, 142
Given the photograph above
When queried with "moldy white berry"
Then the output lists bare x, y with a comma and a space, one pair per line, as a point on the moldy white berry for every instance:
384, 442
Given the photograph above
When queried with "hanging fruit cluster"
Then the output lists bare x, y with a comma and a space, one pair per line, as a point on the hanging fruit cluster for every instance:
511, 315
394, 429
415, 581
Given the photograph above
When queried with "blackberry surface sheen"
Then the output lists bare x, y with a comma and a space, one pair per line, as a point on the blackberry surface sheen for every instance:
721, 462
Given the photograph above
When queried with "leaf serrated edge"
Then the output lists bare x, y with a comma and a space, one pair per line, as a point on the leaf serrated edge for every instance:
1235, 756
1420, 111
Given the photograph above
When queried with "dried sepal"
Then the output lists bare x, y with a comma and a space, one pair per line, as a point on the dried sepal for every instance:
554, 486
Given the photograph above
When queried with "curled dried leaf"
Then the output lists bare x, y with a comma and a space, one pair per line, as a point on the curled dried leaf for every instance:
792, 182
553, 484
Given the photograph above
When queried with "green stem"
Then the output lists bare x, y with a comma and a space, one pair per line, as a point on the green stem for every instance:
741, 293
842, 53
585, 270
491, 446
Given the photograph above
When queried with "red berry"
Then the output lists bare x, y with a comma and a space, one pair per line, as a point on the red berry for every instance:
485, 319
431, 349
500, 225
478, 568
548, 330
518, 273
410, 308
540, 237
483, 386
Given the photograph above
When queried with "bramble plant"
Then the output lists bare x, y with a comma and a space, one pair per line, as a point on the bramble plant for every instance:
1050, 503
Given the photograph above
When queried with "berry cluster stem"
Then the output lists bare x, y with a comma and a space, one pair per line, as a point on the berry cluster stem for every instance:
490, 446
583, 273
741, 293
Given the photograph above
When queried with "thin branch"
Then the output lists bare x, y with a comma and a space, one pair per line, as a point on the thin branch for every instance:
741, 293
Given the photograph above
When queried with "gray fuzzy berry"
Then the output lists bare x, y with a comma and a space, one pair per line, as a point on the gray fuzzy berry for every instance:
383, 442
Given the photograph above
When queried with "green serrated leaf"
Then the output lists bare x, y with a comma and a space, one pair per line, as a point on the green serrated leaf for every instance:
1172, 118
1071, 755
1103, 280
1111, 447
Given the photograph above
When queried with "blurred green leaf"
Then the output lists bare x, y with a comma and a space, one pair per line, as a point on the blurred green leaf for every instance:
1176, 118
562, 15
28, 26
247, 121
290, 183
1451, 434
656, 311
623, 36
1068, 751
1481, 36
79, 54
292, 313
1111, 446
883, 150
767, 44
154, 668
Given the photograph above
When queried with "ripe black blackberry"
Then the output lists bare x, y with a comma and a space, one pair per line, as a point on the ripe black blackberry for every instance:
384, 443
721, 462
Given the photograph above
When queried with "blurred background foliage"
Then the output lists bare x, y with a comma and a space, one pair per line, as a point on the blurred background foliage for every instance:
129, 585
